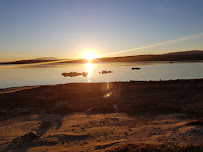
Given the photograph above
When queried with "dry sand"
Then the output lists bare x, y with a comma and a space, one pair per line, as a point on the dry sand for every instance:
97, 132
34, 128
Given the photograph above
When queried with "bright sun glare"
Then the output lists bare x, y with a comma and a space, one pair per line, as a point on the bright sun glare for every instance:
89, 56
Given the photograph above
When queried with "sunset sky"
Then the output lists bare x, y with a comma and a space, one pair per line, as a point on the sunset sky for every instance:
67, 28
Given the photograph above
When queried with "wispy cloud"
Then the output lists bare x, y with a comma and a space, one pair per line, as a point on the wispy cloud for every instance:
156, 45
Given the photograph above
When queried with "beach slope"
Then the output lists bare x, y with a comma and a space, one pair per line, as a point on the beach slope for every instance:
118, 116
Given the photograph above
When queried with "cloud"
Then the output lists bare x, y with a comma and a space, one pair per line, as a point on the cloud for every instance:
157, 44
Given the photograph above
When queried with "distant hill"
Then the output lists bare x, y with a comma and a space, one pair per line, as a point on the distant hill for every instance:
46, 58
174, 56
193, 52
28, 61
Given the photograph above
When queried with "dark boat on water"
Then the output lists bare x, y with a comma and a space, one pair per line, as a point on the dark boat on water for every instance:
135, 68
105, 72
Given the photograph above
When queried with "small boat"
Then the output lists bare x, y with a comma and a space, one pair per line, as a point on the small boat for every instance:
135, 68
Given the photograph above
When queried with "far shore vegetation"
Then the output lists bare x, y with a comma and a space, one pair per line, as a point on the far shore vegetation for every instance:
193, 55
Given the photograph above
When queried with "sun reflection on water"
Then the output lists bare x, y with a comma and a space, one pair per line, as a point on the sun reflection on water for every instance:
89, 67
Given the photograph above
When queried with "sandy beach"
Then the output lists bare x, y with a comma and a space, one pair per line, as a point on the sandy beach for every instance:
118, 116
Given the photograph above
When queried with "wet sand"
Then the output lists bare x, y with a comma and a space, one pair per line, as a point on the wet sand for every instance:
15, 89
117, 116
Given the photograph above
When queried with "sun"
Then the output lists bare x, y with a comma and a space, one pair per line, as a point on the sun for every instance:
89, 56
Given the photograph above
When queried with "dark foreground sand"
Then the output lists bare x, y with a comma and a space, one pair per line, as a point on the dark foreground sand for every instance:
119, 116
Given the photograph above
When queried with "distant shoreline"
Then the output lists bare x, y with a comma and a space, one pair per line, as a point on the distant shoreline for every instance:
177, 61
194, 55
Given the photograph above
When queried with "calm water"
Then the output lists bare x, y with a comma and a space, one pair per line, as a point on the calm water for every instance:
20, 75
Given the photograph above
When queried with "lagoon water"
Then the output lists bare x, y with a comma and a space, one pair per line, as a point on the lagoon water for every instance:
26, 75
